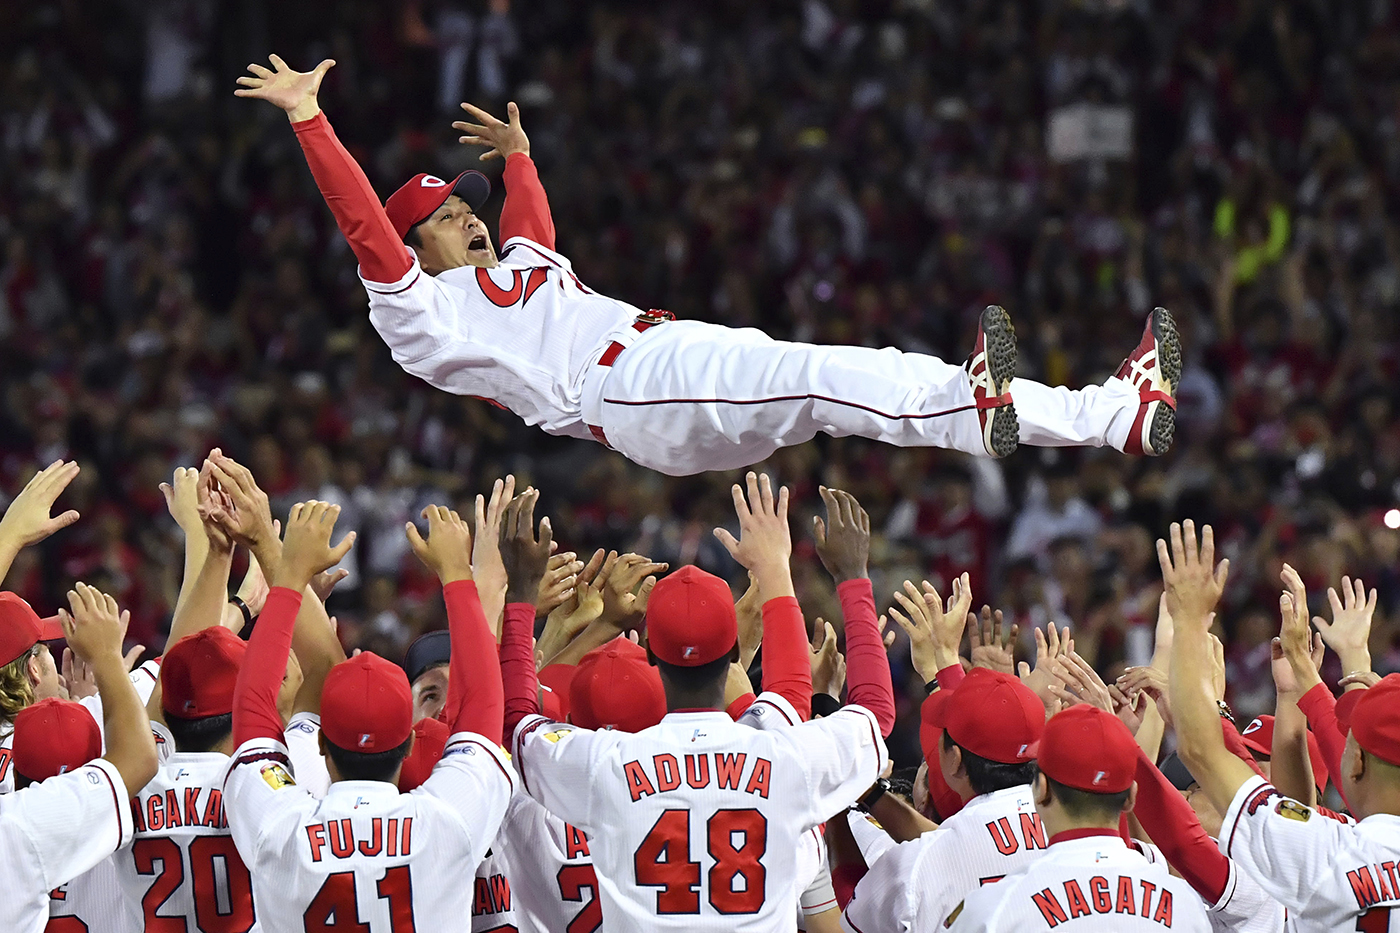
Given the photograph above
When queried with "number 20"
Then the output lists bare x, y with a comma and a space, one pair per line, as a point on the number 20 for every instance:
663, 861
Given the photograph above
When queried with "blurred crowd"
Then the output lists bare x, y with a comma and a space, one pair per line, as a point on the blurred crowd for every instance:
844, 171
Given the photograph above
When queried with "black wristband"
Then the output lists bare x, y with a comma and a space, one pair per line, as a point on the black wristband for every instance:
870, 797
824, 704
931, 686
243, 608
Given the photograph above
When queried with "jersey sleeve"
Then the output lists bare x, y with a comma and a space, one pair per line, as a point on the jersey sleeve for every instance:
66, 825
870, 836
886, 898
1281, 843
260, 794
820, 895
525, 212
475, 779
842, 755
1244, 906
557, 763
769, 711
302, 738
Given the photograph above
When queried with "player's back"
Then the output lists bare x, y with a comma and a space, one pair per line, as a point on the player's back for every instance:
549, 870
695, 823
1088, 880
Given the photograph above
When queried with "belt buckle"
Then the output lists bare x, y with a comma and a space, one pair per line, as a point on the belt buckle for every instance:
655, 316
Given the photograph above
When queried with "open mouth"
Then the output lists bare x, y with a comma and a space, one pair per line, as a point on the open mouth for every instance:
477, 242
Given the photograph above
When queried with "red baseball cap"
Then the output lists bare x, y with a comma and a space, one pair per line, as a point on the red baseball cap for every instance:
21, 628
422, 194
615, 688
367, 705
1258, 736
1375, 719
691, 619
555, 680
991, 714
1089, 750
198, 673
946, 801
429, 739
53, 737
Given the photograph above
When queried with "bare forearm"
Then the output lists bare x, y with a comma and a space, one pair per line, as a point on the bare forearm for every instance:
1290, 768
1199, 739
127, 732
900, 820
196, 552
202, 601
596, 634
318, 649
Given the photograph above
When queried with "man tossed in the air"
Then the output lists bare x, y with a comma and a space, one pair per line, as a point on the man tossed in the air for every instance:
521, 330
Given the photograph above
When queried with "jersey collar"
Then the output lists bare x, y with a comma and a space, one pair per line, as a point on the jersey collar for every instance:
1070, 835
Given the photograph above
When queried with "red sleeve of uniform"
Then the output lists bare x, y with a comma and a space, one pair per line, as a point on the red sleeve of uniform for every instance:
950, 677
255, 713
383, 256
787, 657
1320, 707
474, 675
519, 678
867, 665
740, 706
844, 879
526, 208
1174, 828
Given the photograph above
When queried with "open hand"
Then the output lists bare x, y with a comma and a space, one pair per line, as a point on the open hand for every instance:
993, 645
238, 505
828, 664
1049, 668
526, 557
1349, 632
764, 545
293, 91
307, 549
1194, 582
93, 625
181, 498
627, 582
843, 540
934, 631
503, 139
447, 551
27, 520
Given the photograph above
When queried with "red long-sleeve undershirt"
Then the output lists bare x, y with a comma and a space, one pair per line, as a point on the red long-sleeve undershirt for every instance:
519, 678
474, 676
526, 208
1176, 830
787, 661
868, 682
1320, 707
255, 714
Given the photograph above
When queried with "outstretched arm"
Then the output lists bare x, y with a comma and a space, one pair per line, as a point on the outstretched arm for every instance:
525, 557
525, 212
383, 256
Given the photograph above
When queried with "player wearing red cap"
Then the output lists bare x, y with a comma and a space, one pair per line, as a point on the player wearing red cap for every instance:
365, 855
1087, 878
694, 823
1328, 874
55, 830
680, 397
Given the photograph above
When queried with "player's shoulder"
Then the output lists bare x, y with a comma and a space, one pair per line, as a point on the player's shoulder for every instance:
526, 253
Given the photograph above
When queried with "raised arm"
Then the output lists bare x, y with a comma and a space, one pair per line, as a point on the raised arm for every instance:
525, 212
525, 558
383, 256
27, 520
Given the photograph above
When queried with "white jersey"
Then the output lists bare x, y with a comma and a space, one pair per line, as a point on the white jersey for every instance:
54, 831
524, 334
1092, 883
366, 855
870, 836
917, 884
695, 823
549, 879
493, 904
96, 900
1330, 875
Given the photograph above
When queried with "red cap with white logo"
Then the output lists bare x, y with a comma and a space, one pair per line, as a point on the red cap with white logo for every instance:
991, 714
53, 737
691, 618
367, 705
422, 194
1089, 749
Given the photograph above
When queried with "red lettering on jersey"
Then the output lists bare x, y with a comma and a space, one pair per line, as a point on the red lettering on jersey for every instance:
481, 902
500, 891
697, 771
575, 842
172, 809
1078, 906
1389, 869
1032, 831
406, 844
192, 805
1049, 908
1147, 889
155, 812
1001, 835
58, 894
138, 814
1098, 889
342, 836
538, 276
316, 838
214, 810
729, 768
668, 772
1125, 903
758, 781
5, 754
638, 785
1363, 886
377, 840
393, 836
1386, 894
1164, 909
494, 293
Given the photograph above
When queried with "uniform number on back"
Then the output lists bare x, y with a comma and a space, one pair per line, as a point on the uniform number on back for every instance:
573, 881
336, 906
222, 888
736, 840
1375, 920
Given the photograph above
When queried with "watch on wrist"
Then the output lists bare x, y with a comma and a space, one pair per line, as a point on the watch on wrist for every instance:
243, 608
869, 798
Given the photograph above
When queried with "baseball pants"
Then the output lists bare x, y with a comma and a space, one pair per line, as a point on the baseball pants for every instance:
688, 397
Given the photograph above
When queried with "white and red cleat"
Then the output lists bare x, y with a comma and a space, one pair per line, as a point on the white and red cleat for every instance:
990, 368
1154, 369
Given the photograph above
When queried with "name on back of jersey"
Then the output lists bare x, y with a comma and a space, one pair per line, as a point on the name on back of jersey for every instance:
1132, 896
390, 836
187, 806
723, 770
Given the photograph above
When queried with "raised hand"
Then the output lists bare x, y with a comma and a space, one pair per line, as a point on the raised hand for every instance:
765, 541
1285, 683
934, 631
526, 557
1130, 711
1295, 637
503, 139
307, 549
577, 612
843, 540
292, 91
487, 568
627, 582
1082, 684
93, 625
1049, 668
560, 577
447, 551
1194, 582
1349, 632
993, 646
325, 582
182, 499
239, 507
27, 521
828, 664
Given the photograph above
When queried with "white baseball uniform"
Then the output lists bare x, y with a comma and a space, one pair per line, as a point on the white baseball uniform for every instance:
916, 884
694, 824
1085, 882
1330, 875
549, 883
52, 832
366, 855
685, 396
493, 898
1243, 907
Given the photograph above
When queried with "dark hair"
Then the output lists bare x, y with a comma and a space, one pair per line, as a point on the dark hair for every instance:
695, 679
987, 776
371, 766
201, 734
1083, 805
412, 237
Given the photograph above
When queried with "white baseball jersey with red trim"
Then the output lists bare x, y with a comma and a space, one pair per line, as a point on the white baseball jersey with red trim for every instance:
694, 824
366, 855
915, 885
548, 872
1329, 874
54, 831
1085, 882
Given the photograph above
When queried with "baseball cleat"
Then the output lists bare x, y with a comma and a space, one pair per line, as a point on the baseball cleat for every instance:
1154, 369
990, 368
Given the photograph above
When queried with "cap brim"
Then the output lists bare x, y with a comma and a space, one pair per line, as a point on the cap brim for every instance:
51, 629
1346, 707
936, 708
472, 187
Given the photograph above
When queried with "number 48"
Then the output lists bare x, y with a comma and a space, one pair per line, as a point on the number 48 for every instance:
663, 861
